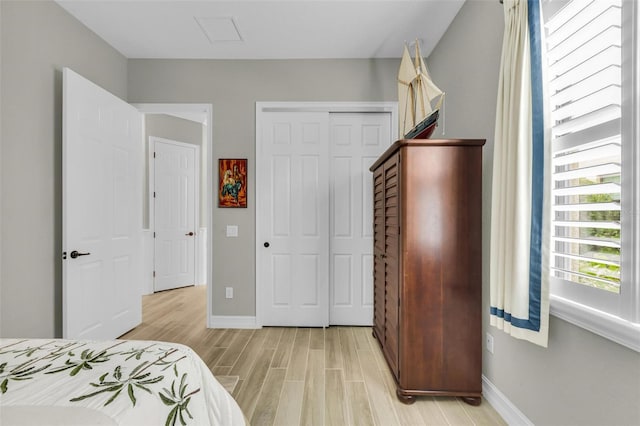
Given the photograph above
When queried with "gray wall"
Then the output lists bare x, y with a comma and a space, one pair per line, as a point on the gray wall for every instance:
581, 379
174, 128
1, 177
38, 39
179, 130
233, 87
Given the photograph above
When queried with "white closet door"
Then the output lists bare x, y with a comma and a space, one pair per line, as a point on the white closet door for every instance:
357, 140
293, 224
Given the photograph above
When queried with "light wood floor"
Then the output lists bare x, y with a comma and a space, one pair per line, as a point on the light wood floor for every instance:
296, 376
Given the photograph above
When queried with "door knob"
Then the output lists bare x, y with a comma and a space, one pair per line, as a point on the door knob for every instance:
190, 234
75, 254
266, 244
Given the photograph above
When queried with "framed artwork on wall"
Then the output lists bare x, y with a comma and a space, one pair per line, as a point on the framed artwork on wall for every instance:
232, 182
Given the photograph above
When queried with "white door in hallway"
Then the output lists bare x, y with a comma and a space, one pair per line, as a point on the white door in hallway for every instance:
292, 194
174, 195
101, 212
357, 140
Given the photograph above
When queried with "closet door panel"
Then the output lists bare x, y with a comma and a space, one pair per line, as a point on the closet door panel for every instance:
356, 140
294, 229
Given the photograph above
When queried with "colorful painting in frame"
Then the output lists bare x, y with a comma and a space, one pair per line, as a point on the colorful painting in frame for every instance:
232, 182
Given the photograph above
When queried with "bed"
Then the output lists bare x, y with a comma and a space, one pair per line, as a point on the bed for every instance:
119, 382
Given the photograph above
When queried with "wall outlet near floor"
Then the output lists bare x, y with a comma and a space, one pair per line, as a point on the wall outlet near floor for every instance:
489, 341
229, 292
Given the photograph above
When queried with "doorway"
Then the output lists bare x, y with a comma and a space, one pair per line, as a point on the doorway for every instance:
313, 212
202, 114
103, 207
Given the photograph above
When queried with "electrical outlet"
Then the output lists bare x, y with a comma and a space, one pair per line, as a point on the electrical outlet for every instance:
229, 292
489, 342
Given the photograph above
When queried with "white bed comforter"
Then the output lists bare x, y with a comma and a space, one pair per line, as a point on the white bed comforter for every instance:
119, 382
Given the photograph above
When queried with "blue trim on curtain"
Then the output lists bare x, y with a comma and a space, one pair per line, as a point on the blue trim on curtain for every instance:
537, 179
515, 321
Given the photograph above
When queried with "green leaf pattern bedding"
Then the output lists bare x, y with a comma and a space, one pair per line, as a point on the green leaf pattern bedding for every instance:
123, 382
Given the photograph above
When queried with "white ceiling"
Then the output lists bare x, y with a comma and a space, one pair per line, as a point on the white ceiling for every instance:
265, 29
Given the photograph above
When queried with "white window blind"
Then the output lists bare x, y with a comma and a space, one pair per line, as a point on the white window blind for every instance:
584, 75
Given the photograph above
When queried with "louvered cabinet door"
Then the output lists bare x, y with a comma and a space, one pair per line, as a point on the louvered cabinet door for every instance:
391, 259
378, 254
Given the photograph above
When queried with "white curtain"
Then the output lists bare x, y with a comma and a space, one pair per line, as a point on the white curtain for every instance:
519, 277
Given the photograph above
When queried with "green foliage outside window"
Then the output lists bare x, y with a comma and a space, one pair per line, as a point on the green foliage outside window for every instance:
597, 269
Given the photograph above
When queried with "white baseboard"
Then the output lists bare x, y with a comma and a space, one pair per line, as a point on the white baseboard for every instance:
502, 405
232, 321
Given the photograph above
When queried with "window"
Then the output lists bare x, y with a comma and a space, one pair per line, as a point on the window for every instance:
592, 91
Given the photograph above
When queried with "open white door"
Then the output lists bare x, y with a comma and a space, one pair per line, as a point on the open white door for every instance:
101, 211
175, 167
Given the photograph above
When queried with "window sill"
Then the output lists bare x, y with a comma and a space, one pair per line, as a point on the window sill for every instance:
608, 326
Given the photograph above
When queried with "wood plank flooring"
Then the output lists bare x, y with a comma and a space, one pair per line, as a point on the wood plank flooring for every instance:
299, 376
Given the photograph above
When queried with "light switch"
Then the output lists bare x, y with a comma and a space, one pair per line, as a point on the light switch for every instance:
232, 230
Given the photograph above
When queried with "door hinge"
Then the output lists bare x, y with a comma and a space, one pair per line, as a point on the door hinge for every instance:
154, 194
154, 274
154, 154
154, 234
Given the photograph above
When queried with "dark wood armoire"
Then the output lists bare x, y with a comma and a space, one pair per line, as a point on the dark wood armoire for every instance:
427, 266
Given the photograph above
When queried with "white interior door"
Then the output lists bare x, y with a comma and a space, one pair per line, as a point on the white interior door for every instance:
293, 224
174, 195
357, 140
102, 212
